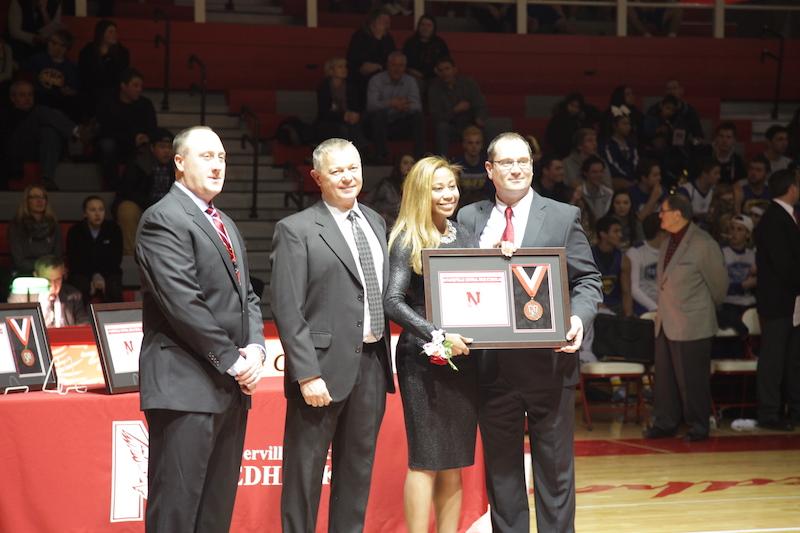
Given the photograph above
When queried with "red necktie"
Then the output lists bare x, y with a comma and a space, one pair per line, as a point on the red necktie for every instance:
223, 235
508, 233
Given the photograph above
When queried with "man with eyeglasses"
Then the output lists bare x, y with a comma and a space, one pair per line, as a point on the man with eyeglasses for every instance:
535, 383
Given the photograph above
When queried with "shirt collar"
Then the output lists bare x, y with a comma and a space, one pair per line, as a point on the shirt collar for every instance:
786, 207
522, 206
341, 215
202, 204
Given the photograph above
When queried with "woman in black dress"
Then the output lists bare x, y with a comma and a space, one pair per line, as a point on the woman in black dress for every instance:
439, 403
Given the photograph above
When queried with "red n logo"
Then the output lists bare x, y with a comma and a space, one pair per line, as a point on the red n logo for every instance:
473, 298
128, 346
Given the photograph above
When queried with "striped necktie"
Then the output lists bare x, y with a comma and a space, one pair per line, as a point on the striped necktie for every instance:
223, 235
374, 299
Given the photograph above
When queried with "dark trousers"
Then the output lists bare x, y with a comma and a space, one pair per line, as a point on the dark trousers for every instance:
682, 387
550, 414
350, 427
778, 369
193, 469
397, 126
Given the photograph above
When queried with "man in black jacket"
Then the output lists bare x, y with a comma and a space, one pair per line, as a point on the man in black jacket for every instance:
777, 239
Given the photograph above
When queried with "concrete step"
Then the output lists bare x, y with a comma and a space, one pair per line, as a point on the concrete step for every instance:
185, 102
175, 120
302, 104
78, 176
237, 17
757, 110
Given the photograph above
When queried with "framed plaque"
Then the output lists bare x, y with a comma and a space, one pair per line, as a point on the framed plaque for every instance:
25, 357
118, 331
500, 302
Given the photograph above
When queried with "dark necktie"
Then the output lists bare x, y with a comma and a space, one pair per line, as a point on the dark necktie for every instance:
508, 233
223, 235
374, 299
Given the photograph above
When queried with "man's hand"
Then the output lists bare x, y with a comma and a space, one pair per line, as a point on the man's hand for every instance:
574, 335
507, 248
249, 377
315, 392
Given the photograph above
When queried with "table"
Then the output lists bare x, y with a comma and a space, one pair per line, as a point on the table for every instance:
77, 462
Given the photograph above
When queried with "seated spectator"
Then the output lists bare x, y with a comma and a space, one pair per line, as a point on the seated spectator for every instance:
369, 49
55, 76
551, 179
587, 218
777, 146
101, 63
622, 209
643, 260
394, 108
649, 21
63, 305
701, 190
595, 193
548, 19
454, 102
623, 101
30, 24
686, 116
608, 258
740, 260
754, 189
126, 121
666, 138
473, 183
720, 212
33, 232
568, 117
620, 153
94, 254
146, 179
385, 197
647, 194
585, 145
33, 133
339, 106
731, 165
424, 49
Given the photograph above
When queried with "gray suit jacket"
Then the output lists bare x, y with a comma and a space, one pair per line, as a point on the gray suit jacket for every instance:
195, 314
318, 300
555, 224
691, 287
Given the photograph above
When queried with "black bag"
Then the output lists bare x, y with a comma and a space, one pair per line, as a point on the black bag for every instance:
624, 339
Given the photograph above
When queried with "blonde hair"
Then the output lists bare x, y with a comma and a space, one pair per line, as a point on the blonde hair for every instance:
24, 215
414, 227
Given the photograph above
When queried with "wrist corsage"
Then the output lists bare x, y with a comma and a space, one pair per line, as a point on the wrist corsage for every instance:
439, 350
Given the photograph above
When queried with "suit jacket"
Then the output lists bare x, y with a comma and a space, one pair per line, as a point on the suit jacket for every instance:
550, 223
318, 300
73, 309
195, 314
777, 239
691, 287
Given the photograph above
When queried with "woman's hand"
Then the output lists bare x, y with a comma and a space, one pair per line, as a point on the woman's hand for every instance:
459, 343
507, 248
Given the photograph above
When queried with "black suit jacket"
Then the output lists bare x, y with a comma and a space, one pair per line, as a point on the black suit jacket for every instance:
195, 314
777, 239
318, 300
550, 224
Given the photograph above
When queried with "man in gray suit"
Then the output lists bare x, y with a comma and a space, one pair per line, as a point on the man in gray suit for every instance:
535, 383
692, 282
203, 344
329, 270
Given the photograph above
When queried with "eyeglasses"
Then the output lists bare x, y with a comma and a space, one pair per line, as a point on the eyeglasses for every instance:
507, 164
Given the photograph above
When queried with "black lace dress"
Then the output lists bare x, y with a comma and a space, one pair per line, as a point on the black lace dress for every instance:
439, 403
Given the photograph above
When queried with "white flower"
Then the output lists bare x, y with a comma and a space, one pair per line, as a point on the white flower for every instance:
438, 336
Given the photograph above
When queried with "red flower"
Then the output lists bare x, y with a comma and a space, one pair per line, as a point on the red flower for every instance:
438, 360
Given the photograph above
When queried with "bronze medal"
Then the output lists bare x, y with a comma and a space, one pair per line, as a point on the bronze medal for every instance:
533, 310
27, 357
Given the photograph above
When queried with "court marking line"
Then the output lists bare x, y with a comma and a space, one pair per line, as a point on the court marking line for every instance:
641, 446
685, 502
768, 530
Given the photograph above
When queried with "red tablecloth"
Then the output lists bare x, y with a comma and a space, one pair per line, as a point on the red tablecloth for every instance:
74, 463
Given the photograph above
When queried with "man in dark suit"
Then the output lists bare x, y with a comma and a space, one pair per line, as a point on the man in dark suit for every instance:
692, 282
778, 269
537, 383
203, 344
329, 270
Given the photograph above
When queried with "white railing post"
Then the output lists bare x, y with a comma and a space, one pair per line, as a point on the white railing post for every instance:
80, 8
719, 19
622, 18
199, 10
419, 10
312, 13
522, 17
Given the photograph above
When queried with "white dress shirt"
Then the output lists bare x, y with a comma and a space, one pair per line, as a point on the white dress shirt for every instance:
377, 258
496, 224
